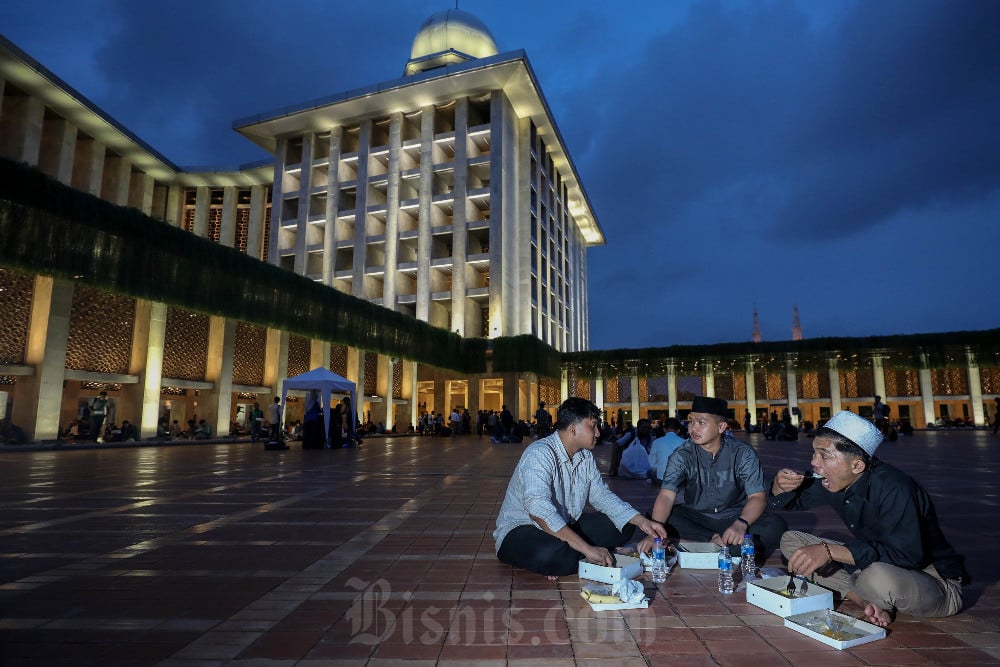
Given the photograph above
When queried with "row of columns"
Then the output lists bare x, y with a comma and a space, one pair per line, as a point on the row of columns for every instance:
836, 402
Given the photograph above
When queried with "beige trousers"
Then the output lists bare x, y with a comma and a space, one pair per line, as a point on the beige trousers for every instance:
914, 592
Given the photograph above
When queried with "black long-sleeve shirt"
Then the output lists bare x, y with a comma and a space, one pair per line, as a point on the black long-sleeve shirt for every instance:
891, 517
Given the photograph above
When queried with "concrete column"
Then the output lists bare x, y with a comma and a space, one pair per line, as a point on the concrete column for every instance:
563, 385
332, 206
410, 380
277, 196
383, 388
255, 225
216, 405
634, 385
599, 391
173, 205
975, 390
927, 394
302, 221
319, 354
793, 389
58, 149
424, 223
227, 227
361, 215
459, 245
21, 128
140, 191
356, 373
476, 398
88, 166
389, 290
511, 394
116, 179
202, 204
751, 392
709, 380
878, 375
835, 404
672, 389
276, 361
141, 402
38, 398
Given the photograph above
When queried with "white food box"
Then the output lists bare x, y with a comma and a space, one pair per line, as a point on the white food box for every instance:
700, 555
626, 567
868, 631
767, 594
606, 590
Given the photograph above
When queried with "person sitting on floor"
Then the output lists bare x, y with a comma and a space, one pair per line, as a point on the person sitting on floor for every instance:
721, 484
204, 431
542, 526
898, 559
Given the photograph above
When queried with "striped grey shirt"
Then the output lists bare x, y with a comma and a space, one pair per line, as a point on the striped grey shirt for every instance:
550, 485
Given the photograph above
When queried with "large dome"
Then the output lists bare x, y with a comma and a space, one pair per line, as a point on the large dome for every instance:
448, 37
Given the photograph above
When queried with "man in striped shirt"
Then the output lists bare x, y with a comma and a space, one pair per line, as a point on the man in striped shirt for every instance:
541, 526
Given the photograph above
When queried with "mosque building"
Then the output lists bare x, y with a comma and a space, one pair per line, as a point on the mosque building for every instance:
446, 199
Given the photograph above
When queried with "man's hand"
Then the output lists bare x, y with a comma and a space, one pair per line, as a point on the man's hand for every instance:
650, 527
734, 534
808, 559
598, 555
786, 480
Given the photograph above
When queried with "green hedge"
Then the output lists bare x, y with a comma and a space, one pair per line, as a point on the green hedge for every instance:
51, 229
938, 350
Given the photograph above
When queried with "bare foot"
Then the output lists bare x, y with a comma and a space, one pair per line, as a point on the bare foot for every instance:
877, 616
552, 577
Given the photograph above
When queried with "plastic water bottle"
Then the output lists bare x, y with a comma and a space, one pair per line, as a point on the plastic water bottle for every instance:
659, 562
747, 562
725, 571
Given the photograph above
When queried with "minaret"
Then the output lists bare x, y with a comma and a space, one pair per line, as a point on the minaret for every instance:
796, 327
756, 326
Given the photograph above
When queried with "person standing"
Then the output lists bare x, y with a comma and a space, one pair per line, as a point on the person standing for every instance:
880, 411
274, 419
721, 483
898, 557
996, 416
542, 526
256, 422
98, 411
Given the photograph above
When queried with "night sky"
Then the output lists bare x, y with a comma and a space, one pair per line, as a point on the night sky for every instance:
841, 156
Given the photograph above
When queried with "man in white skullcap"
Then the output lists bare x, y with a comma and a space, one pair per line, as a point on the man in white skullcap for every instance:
899, 560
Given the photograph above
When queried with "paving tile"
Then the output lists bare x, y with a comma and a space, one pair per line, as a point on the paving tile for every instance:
225, 555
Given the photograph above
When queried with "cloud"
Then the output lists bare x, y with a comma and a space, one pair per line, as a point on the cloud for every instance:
183, 74
889, 108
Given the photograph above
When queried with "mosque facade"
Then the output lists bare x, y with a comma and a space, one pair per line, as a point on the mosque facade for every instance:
446, 195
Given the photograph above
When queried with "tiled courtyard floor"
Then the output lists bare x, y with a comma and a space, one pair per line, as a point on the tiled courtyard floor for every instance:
220, 554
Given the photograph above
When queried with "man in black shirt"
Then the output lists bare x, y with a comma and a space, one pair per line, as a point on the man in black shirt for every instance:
899, 558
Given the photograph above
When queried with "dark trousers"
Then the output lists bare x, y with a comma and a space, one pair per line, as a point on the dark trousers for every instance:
531, 548
688, 524
616, 458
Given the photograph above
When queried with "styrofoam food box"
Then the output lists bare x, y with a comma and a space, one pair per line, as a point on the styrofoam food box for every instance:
766, 594
606, 590
700, 555
626, 567
869, 631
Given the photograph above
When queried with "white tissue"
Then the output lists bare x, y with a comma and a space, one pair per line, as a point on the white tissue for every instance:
629, 590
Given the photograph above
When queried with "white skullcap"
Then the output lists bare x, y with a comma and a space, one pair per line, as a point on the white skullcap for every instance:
857, 429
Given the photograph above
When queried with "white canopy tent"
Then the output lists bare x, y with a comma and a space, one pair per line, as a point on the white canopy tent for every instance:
326, 382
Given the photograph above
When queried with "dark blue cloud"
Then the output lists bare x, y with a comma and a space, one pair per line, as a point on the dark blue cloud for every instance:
841, 156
